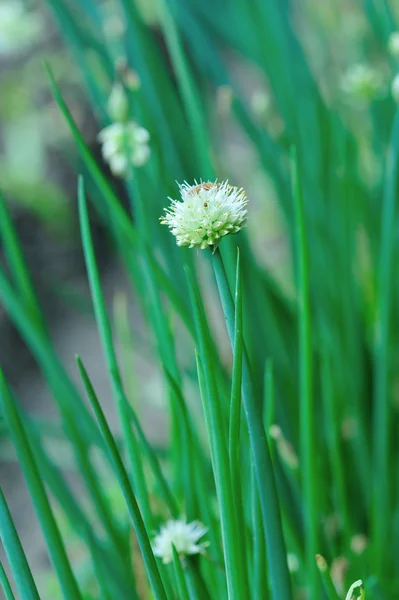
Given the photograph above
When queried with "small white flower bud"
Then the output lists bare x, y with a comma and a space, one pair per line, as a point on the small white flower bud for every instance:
321, 563
224, 99
284, 448
393, 44
359, 543
292, 562
339, 567
395, 88
118, 104
261, 104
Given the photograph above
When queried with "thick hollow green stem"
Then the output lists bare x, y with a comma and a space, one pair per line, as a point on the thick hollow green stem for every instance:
235, 573
276, 552
307, 408
382, 414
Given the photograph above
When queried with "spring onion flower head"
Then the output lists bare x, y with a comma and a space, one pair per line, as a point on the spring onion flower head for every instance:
124, 144
395, 88
393, 44
356, 591
118, 104
362, 83
206, 213
185, 537
20, 27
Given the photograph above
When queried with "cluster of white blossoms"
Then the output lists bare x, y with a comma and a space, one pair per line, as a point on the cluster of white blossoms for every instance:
20, 26
206, 213
124, 142
362, 83
183, 536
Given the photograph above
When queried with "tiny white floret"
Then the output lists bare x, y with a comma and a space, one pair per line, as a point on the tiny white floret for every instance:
185, 537
206, 213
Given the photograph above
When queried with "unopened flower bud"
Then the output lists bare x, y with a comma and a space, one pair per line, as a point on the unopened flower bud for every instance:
284, 448
393, 44
224, 98
395, 88
359, 543
321, 563
339, 567
118, 104
292, 562
260, 104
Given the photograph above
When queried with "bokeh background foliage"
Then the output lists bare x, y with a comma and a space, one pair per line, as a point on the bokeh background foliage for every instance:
228, 89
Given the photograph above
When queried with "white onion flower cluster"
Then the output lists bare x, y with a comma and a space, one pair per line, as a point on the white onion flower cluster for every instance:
183, 536
124, 142
206, 213
362, 83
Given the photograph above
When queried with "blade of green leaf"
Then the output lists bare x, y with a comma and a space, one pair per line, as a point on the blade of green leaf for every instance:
105, 333
307, 404
37, 490
189, 94
382, 401
16, 556
18, 265
235, 573
275, 545
131, 502
180, 579
5, 584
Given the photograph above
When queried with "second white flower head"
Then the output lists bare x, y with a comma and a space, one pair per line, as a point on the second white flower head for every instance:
206, 212
183, 536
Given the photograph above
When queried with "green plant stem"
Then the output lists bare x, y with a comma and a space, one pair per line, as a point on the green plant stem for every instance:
16, 556
307, 405
335, 452
328, 584
190, 96
232, 546
124, 482
37, 491
18, 267
122, 404
5, 585
180, 579
260, 571
382, 418
275, 546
